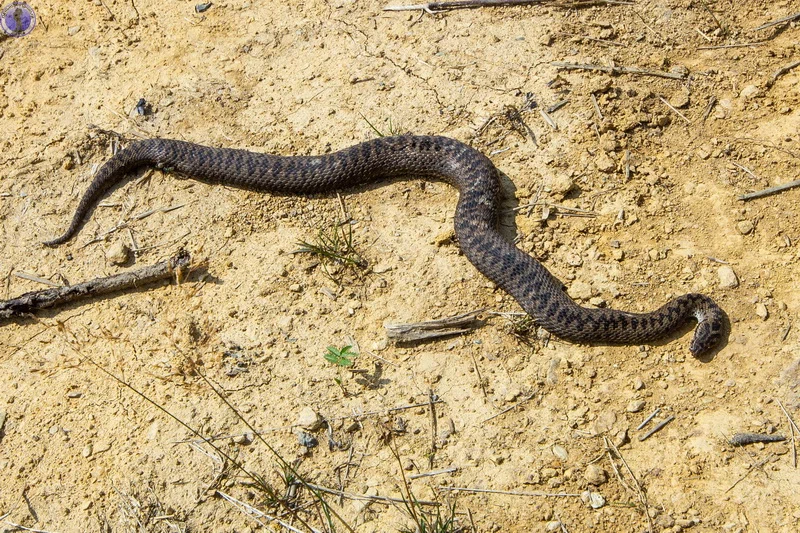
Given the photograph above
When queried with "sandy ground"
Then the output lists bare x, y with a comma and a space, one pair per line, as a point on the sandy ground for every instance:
634, 202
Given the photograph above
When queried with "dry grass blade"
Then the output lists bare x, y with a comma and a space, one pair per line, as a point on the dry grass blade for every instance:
640, 493
792, 430
334, 245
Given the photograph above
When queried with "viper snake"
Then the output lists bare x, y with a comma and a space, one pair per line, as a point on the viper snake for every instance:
539, 293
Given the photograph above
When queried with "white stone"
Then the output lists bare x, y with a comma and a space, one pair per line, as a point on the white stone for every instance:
118, 253
308, 419
595, 474
727, 277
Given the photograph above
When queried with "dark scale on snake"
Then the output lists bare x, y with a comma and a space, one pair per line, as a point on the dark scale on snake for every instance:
539, 293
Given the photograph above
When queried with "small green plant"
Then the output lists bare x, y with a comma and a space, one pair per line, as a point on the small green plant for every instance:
344, 356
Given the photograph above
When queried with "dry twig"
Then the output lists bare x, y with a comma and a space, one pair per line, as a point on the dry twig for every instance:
664, 101
723, 46
640, 493
619, 70
439, 472
770, 190
753, 467
30, 302
783, 20
743, 439
430, 329
658, 428
512, 492
435, 7
781, 71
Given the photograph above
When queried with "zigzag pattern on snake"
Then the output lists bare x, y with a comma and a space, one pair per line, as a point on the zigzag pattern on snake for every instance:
539, 293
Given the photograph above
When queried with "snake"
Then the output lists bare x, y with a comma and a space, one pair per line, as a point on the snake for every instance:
477, 180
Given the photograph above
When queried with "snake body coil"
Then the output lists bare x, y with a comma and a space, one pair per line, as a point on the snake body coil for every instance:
475, 177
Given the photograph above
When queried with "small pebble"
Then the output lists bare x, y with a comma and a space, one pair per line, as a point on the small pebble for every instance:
580, 290
560, 185
381, 268
443, 238
560, 452
380, 345
593, 499
555, 525
621, 437
574, 259
635, 406
638, 384
595, 475
548, 473
308, 419
665, 521
604, 422
727, 277
745, 227
87, 450
118, 253
295, 287
680, 98
761, 311
749, 92
605, 163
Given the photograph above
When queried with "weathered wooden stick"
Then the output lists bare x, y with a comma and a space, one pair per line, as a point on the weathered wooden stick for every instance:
779, 21
781, 71
771, 190
460, 4
433, 7
618, 70
30, 302
433, 328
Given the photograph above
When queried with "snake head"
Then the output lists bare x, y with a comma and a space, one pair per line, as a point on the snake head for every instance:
710, 328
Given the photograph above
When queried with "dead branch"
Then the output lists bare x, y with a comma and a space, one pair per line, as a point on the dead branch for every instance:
435, 7
743, 439
618, 70
31, 302
430, 329
770, 190
779, 21
781, 71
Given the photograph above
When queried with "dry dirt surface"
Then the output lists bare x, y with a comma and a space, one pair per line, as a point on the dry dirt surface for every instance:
624, 182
